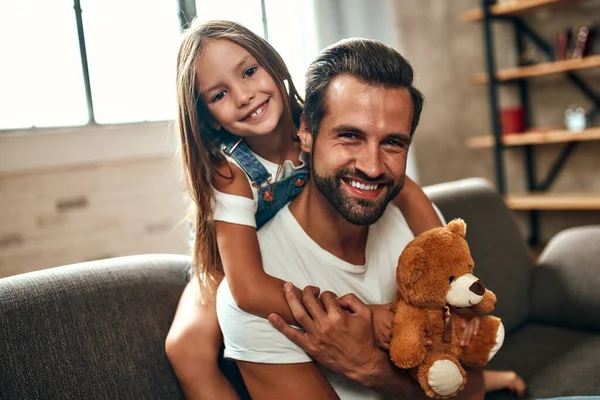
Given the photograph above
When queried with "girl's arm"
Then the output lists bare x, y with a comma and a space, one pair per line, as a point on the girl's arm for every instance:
192, 346
253, 290
416, 208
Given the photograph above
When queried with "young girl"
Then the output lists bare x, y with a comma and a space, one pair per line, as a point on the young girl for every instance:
237, 122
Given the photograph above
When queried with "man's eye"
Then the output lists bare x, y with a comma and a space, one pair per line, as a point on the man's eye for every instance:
349, 136
393, 143
250, 71
218, 96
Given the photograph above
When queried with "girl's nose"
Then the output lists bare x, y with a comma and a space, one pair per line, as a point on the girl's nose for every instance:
243, 96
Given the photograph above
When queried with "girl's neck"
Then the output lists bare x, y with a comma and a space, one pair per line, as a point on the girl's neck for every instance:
269, 146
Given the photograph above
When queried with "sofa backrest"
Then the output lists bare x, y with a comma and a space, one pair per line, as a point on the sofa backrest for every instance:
91, 331
501, 257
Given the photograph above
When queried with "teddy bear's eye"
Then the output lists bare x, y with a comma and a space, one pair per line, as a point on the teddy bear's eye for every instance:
451, 279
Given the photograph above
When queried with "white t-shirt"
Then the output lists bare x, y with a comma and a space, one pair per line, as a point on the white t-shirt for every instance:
290, 254
242, 210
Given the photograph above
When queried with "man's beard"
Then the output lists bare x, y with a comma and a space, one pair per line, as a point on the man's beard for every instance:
356, 210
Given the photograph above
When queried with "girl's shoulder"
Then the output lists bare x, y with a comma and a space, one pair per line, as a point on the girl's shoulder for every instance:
231, 179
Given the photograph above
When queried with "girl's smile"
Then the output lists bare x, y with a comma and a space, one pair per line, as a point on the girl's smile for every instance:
257, 113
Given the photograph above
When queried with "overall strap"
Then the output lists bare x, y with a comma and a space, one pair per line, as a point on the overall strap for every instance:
239, 150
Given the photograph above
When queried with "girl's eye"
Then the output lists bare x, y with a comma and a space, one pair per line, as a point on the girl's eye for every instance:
250, 71
218, 96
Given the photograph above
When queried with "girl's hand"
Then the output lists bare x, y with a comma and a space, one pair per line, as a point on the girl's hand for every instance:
471, 328
382, 324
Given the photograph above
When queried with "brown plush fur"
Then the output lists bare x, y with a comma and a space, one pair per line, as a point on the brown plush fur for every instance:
423, 278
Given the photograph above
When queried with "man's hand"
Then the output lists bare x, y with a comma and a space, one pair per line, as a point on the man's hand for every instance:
382, 324
338, 331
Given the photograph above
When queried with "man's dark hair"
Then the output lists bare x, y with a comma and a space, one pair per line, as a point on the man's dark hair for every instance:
367, 60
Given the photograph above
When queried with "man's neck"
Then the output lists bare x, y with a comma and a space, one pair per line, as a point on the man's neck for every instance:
328, 228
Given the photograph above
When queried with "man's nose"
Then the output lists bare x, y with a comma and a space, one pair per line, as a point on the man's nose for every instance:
369, 161
243, 95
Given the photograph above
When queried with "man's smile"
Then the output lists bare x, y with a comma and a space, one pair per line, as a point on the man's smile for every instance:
362, 189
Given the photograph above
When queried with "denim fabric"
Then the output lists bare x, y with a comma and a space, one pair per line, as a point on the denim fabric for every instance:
282, 191
239, 150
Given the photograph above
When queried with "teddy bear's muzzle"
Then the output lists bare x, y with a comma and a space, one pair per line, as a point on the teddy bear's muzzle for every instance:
465, 291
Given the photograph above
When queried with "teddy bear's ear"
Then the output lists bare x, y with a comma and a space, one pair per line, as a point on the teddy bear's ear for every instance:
414, 258
457, 226
416, 275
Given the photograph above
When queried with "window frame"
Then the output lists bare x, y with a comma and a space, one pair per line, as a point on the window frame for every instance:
187, 12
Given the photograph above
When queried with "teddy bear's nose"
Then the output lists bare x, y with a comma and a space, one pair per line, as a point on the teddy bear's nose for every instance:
477, 287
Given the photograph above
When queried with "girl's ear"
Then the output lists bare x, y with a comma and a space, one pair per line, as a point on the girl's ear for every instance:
306, 138
216, 126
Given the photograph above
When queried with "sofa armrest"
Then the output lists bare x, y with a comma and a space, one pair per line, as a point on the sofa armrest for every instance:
91, 330
565, 289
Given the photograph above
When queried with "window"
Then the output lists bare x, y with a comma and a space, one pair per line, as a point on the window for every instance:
246, 12
289, 25
41, 81
292, 33
130, 49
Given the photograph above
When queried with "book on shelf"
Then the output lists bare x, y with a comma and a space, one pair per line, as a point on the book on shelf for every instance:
581, 44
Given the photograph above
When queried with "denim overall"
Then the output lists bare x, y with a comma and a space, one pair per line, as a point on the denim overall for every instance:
272, 196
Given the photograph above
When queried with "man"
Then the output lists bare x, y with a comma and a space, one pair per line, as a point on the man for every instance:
360, 114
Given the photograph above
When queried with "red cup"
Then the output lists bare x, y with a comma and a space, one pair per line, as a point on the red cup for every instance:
512, 120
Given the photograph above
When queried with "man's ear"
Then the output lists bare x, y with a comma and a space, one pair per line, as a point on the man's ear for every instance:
306, 138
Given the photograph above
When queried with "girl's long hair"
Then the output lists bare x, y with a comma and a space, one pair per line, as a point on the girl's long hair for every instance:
200, 144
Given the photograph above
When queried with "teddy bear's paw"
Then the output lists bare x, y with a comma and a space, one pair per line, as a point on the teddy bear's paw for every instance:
444, 377
499, 341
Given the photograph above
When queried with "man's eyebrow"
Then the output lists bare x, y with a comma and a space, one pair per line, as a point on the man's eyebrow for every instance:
243, 61
346, 129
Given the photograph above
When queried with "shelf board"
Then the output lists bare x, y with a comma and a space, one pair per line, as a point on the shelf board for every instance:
549, 68
554, 201
535, 138
506, 8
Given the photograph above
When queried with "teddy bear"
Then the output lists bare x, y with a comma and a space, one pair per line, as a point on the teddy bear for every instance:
435, 281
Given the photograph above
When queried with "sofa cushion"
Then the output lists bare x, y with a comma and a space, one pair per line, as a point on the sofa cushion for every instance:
565, 286
501, 257
90, 331
553, 361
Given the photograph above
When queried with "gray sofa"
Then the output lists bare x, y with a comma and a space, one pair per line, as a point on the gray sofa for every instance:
96, 330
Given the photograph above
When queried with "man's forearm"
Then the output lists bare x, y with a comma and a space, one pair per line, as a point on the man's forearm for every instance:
388, 380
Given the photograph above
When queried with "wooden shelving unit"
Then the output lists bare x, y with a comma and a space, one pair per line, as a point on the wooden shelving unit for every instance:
507, 8
536, 197
536, 138
554, 201
532, 71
